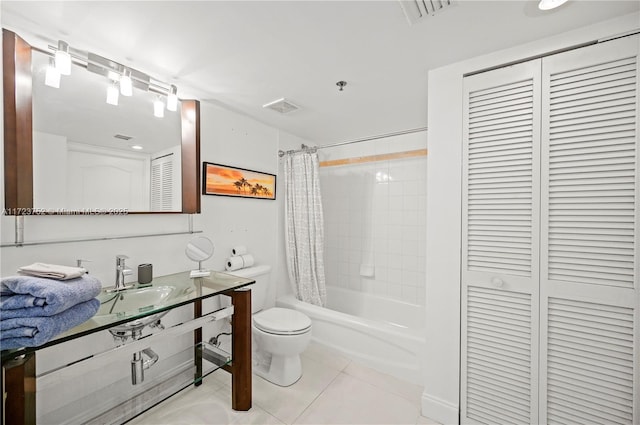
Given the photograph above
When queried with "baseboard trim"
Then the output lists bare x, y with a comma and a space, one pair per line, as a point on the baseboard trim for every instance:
439, 410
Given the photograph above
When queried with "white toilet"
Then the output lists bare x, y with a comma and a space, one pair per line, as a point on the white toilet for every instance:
279, 334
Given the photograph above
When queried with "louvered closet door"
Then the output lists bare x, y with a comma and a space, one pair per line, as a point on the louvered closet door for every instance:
500, 246
590, 352
163, 184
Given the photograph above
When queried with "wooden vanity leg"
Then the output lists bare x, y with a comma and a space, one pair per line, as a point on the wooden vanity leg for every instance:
197, 340
19, 388
241, 350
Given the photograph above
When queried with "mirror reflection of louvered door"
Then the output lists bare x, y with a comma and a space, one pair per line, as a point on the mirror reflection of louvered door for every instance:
590, 303
551, 201
500, 282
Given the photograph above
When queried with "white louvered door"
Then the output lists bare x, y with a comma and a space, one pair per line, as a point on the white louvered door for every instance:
551, 201
500, 246
589, 247
162, 183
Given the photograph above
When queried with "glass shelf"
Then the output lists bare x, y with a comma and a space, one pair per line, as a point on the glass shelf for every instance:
119, 400
213, 358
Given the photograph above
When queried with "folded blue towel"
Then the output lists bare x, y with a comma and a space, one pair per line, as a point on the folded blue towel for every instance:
12, 302
34, 331
28, 296
19, 332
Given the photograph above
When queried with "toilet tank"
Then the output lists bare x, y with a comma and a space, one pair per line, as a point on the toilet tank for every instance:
261, 274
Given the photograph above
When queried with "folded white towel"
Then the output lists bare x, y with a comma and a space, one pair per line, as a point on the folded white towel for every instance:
52, 271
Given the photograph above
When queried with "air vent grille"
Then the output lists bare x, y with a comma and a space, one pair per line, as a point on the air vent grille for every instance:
123, 137
416, 10
283, 106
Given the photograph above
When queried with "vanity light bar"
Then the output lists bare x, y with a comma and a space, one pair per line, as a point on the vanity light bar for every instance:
126, 77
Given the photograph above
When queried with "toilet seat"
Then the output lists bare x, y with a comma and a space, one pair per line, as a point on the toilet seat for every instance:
282, 321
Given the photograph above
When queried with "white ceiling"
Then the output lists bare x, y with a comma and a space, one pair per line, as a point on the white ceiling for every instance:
244, 54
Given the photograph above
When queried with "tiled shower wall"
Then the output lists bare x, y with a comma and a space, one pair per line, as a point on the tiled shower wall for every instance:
375, 219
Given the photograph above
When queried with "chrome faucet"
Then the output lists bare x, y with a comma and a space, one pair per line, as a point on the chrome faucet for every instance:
121, 272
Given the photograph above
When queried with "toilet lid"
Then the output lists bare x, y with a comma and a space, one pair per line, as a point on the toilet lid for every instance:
281, 321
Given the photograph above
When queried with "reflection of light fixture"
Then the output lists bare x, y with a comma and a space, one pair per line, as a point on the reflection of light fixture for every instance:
63, 58
126, 85
52, 77
112, 94
158, 108
550, 4
191, 115
172, 98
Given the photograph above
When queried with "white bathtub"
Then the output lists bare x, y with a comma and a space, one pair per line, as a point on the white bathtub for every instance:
384, 334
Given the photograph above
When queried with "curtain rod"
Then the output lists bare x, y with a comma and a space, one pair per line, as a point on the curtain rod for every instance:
304, 148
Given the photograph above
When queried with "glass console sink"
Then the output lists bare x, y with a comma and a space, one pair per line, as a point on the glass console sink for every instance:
128, 312
137, 301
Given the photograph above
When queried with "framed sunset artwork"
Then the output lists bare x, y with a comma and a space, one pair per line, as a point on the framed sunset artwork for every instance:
224, 180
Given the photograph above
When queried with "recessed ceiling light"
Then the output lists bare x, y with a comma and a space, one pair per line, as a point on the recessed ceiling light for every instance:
137, 147
550, 4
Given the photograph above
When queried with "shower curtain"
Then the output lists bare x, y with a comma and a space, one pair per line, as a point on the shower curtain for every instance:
304, 228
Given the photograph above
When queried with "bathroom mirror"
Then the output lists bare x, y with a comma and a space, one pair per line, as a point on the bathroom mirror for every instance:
67, 151
199, 249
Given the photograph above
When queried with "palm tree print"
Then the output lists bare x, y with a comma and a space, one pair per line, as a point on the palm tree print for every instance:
222, 180
244, 184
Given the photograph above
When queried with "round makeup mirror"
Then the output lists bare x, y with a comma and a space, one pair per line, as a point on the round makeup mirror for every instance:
199, 249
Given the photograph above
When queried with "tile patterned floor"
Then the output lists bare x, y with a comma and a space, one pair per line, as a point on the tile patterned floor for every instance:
332, 390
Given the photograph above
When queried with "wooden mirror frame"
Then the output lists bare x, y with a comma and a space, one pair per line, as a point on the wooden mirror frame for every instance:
18, 137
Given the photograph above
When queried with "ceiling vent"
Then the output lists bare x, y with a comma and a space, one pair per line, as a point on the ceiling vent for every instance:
416, 10
123, 137
281, 105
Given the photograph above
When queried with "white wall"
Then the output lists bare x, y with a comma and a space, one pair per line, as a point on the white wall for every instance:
232, 139
440, 399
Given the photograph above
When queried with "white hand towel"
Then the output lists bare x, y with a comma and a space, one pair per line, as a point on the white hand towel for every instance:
52, 271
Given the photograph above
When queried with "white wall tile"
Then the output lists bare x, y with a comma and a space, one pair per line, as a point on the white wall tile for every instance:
375, 213
395, 231
394, 291
409, 294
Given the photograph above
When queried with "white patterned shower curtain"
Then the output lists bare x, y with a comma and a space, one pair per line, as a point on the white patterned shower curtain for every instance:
304, 229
